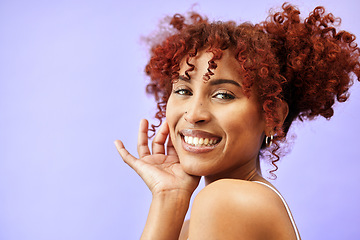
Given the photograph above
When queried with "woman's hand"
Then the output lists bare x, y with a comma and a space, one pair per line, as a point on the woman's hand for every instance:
161, 169
170, 185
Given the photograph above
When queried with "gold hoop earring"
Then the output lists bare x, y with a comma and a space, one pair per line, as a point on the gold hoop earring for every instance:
268, 140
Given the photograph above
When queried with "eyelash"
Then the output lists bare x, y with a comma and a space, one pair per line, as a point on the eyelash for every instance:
183, 90
226, 95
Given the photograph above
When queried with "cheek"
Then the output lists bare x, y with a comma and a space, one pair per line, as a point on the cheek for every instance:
247, 123
170, 110
171, 116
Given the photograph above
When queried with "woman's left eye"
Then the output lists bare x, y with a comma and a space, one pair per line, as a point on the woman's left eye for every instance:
182, 91
224, 95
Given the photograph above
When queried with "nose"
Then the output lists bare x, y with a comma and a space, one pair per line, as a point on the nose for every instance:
197, 111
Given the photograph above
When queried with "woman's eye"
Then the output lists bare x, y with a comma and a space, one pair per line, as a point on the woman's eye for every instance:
182, 92
224, 95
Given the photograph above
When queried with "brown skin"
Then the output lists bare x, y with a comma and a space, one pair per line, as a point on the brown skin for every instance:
221, 109
171, 187
230, 206
238, 209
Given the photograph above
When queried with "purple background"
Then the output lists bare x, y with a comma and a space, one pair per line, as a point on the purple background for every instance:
72, 81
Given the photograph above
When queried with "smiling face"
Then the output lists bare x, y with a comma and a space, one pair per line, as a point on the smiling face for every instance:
216, 130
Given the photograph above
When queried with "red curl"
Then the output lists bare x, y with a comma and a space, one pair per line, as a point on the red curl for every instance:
307, 63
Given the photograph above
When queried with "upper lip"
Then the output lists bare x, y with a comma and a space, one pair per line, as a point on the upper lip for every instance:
198, 133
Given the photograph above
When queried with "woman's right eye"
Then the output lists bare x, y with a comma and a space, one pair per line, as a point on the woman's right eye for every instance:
183, 91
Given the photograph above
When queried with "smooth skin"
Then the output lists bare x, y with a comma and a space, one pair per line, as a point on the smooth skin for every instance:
220, 108
230, 206
170, 185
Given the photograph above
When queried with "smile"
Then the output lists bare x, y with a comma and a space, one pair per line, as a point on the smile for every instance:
195, 141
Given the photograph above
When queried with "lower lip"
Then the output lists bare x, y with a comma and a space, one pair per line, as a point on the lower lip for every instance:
196, 149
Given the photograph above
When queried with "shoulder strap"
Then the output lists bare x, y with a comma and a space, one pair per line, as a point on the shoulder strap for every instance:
286, 206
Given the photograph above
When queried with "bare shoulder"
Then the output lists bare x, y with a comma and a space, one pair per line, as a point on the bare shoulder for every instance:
229, 209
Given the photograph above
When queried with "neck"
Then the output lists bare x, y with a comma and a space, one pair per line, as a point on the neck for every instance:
248, 172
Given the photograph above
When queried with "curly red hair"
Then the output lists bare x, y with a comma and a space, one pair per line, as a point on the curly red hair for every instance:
306, 63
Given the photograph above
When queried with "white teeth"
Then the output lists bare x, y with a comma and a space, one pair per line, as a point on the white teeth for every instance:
195, 141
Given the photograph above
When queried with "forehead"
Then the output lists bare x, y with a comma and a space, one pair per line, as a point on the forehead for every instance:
227, 66
202, 59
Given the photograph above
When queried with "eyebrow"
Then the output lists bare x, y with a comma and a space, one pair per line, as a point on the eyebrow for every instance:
213, 82
221, 81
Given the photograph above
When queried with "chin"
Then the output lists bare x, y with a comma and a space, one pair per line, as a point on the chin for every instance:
193, 167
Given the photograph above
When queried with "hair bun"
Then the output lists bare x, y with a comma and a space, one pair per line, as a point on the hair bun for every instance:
317, 61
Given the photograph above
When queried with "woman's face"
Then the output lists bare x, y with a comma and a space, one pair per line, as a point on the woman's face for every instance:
216, 130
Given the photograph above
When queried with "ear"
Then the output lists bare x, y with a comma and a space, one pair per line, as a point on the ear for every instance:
282, 111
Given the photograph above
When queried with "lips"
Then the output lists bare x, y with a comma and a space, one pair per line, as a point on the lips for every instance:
198, 141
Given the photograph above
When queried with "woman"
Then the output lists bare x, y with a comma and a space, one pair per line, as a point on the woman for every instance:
230, 93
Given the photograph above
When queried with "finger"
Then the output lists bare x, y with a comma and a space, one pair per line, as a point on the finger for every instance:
143, 147
170, 148
158, 144
125, 155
